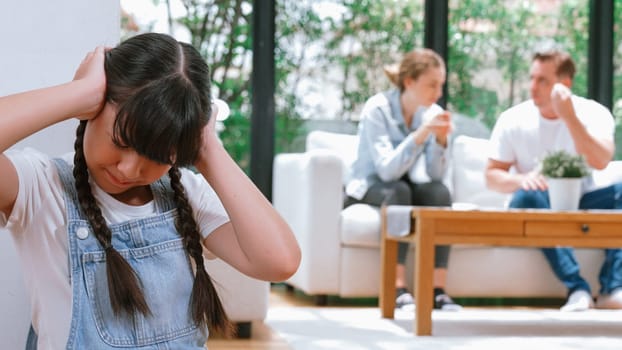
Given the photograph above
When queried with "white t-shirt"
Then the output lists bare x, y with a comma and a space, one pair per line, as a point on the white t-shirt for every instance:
523, 137
38, 226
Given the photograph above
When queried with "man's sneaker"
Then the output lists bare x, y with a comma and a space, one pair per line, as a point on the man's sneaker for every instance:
404, 300
610, 301
446, 303
579, 300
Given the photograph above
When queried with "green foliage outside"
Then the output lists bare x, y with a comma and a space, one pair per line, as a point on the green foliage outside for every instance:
490, 50
334, 50
617, 78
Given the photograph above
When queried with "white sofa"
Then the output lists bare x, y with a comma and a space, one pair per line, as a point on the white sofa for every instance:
340, 247
244, 299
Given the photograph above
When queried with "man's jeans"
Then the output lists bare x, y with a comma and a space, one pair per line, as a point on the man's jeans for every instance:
562, 260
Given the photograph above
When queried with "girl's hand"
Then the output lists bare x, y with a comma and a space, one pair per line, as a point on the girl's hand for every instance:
209, 138
91, 73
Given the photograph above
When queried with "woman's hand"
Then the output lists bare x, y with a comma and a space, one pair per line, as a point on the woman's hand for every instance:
441, 126
92, 76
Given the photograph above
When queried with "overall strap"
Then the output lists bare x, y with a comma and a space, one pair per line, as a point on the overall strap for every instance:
163, 194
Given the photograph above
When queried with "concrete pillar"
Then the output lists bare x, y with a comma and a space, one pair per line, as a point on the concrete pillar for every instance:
42, 44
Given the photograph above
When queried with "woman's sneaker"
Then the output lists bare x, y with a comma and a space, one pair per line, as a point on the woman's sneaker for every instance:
446, 303
404, 300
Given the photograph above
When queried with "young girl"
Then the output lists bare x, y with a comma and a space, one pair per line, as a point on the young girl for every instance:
111, 239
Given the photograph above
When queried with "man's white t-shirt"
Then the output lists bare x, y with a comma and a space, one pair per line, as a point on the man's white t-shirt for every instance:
38, 226
523, 137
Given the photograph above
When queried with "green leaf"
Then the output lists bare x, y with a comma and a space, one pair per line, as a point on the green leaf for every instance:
560, 164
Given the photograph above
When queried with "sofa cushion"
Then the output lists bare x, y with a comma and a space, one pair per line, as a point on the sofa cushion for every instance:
468, 165
342, 145
360, 226
611, 174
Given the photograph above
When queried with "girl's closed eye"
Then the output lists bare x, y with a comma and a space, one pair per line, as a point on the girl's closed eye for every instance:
119, 144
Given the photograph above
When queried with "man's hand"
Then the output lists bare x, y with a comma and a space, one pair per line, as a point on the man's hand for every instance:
534, 181
561, 101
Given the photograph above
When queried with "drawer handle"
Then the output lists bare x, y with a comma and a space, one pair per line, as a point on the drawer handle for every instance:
585, 228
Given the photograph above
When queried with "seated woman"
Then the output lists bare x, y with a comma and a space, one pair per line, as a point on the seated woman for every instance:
396, 128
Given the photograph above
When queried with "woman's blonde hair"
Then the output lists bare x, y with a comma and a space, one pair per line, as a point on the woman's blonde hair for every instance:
412, 65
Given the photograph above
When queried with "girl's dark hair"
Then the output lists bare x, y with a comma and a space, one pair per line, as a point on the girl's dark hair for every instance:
161, 90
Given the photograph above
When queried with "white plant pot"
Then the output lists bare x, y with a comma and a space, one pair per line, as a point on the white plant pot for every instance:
564, 193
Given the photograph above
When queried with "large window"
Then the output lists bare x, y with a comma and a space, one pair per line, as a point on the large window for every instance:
330, 57
330, 53
491, 44
617, 77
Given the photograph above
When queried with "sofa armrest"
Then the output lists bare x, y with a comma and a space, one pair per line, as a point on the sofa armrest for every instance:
307, 191
244, 298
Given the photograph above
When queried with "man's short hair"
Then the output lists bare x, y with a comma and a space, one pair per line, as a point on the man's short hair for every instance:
562, 60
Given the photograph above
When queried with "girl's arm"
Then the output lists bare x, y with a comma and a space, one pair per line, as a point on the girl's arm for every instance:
23, 114
256, 241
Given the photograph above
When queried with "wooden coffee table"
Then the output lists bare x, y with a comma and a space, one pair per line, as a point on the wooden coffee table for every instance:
514, 227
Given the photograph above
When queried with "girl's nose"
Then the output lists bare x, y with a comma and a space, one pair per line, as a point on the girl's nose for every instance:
130, 165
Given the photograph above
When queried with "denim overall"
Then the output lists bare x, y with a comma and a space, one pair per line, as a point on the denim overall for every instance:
155, 251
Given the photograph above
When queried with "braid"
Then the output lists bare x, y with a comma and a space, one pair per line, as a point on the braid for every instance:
123, 284
206, 305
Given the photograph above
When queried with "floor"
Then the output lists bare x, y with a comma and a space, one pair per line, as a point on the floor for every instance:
262, 337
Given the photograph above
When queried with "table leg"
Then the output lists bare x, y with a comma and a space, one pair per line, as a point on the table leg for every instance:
388, 263
424, 269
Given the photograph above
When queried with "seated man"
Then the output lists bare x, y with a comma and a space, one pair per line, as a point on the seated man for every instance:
555, 119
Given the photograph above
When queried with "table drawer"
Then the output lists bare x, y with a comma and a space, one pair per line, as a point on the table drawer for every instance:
571, 229
478, 227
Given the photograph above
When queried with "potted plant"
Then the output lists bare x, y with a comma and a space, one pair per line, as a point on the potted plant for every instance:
561, 164
564, 172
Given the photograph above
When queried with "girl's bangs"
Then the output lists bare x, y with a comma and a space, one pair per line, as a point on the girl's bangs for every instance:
160, 125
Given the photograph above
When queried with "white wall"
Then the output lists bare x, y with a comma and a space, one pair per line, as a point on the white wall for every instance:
42, 43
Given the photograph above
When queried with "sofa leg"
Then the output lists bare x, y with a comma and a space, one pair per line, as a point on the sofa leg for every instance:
243, 330
320, 300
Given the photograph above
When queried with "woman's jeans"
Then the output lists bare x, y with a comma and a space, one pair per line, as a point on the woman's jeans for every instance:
404, 192
562, 260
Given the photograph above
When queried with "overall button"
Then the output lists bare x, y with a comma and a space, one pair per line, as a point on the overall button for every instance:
82, 232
